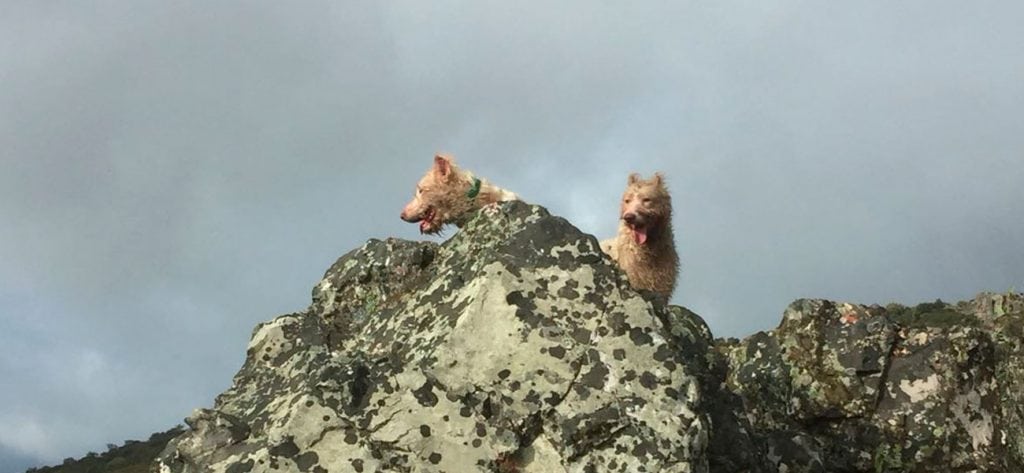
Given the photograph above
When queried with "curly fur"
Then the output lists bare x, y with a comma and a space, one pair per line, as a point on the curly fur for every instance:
645, 246
441, 196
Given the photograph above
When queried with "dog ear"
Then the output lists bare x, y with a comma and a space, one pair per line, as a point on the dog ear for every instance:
633, 179
442, 165
658, 179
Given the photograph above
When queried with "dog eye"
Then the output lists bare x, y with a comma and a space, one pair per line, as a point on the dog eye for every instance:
627, 200
647, 200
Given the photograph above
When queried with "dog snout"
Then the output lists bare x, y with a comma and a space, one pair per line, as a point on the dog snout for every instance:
629, 217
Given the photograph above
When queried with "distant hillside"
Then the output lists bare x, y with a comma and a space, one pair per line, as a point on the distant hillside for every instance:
132, 457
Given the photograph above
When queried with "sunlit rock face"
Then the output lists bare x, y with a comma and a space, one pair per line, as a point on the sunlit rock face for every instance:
514, 346
517, 346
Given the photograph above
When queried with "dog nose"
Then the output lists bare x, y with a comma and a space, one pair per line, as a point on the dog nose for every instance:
629, 217
409, 216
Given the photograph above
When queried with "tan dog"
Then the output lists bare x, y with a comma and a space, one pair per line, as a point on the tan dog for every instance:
447, 195
645, 247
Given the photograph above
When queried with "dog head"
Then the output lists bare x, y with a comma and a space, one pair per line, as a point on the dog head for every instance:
646, 207
438, 198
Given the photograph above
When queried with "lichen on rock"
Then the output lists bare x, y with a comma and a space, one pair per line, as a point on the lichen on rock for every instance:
518, 346
514, 346
929, 388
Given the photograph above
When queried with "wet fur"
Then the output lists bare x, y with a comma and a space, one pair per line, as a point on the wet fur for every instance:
654, 264
440, 198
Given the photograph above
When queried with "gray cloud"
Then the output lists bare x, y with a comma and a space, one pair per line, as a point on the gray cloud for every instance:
12, 460
176, 172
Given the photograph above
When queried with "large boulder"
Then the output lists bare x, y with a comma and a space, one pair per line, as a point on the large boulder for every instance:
514, 346
517, 346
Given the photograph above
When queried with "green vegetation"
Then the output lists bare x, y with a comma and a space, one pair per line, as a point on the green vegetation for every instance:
888, 458
132, 457
928, 314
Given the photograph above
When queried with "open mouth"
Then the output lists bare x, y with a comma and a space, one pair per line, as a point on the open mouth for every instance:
639, 233
427, 222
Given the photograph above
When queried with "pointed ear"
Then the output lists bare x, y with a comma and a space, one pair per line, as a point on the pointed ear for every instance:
658, 179
442, 165
633, 179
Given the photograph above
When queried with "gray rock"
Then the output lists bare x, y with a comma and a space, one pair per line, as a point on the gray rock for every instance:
514, 346
517, 346
841, 387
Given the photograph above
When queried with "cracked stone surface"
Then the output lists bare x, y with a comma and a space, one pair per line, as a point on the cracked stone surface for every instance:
517, 346
841, 387
514, 346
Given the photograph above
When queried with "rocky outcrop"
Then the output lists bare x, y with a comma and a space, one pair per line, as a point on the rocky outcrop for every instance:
850, 388
514, 346
517, 346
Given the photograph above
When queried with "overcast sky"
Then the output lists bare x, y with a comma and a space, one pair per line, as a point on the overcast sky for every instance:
174, 172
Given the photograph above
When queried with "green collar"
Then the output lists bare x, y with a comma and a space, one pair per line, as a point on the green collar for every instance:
475, 189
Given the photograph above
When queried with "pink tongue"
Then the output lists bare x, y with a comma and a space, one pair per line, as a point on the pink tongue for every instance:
640, 235
423, 225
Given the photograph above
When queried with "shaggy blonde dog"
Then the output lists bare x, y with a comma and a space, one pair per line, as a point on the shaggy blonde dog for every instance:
645, 247
447, 195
